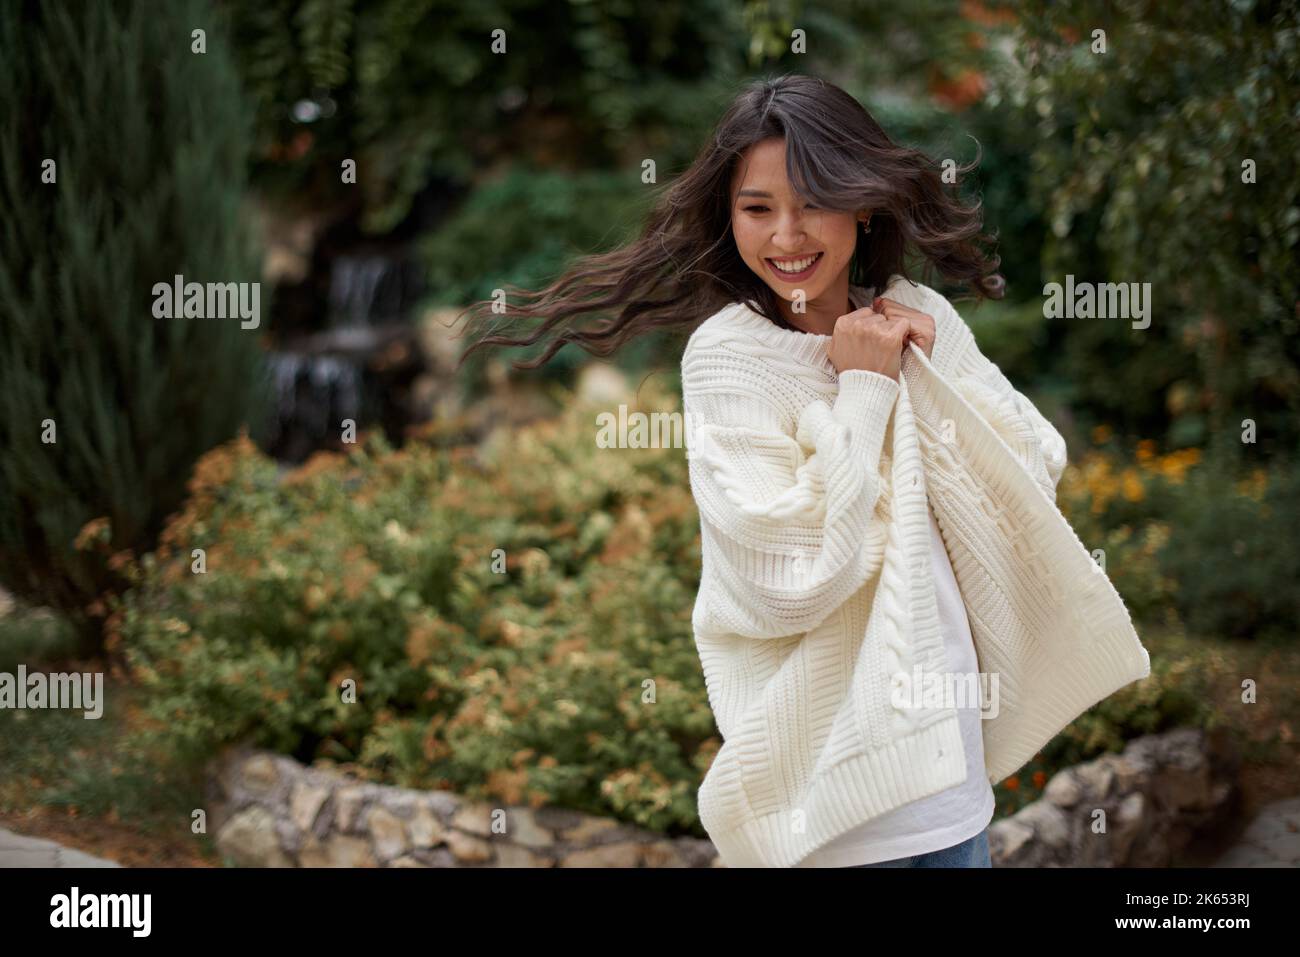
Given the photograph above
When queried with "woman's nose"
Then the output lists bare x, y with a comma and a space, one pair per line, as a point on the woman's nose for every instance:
790, 231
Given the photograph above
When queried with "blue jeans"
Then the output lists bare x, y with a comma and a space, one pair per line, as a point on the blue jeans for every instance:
973, 852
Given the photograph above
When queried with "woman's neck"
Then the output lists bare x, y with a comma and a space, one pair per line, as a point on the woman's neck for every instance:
820, 314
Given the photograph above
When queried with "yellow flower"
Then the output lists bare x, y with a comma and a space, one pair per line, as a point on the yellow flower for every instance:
1132, 486
1174, 466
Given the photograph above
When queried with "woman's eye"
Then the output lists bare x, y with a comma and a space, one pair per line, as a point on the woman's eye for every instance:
754, 209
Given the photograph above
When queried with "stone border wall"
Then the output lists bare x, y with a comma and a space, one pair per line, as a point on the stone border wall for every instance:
1154, 799
270, 811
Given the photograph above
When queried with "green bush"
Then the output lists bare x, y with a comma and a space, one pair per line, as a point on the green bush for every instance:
1237, 570
149, 141
1191, 539
1138, 163
523, 229
529, 685
414, 92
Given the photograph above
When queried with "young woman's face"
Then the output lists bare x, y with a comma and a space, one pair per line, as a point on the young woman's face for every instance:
773, 228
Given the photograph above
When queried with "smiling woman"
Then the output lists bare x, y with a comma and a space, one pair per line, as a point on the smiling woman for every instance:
852, 507
796, 170
803, 252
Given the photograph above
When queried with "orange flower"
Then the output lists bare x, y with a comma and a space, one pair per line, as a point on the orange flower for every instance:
1132, 486
319, 463
1012, 783
960, 91
362, 574
96, 531
1174, 466
420, 642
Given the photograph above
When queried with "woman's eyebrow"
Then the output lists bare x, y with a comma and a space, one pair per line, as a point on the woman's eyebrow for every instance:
754, 192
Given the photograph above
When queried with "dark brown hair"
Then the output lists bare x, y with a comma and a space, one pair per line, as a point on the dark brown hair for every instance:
685, 265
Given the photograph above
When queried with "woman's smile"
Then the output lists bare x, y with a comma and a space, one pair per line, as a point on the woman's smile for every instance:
794, 268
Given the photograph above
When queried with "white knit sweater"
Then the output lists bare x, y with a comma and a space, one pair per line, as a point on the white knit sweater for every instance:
815, 587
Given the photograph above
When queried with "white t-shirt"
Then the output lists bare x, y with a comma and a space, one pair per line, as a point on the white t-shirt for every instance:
949, 817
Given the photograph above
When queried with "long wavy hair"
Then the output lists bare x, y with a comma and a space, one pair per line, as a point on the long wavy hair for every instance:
685, 266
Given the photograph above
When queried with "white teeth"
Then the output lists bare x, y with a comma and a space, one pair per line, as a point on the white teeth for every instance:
798, 265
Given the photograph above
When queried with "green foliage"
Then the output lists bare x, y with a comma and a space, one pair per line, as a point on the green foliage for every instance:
417, 92
529, 684
31, 636
986, 129
150, 145
1187, 540
524, 226
1138, 168
523, 229
1238, 573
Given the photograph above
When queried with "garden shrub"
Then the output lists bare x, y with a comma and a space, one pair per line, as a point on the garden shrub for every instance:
149, 142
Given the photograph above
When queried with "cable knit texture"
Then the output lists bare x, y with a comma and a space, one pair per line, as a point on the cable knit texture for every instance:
816, 589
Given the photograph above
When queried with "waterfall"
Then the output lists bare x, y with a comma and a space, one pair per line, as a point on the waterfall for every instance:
327, 377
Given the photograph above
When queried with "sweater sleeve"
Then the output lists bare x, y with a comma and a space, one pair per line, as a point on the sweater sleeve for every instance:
787, 523
1032, 438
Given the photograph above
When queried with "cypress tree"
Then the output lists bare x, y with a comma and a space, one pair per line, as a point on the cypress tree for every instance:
148, 141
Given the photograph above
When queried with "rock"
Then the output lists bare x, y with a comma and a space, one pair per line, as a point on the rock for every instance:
1063, 790
388, 833
260, 775
1158, 795
305, 801
338, 850
511, 855
624, 854
523, 829
591, 828
557, 818
425, 828
1095, 777
1125, 824
1007, 838
249, 839
1048, 822
475, 818
466, 848
662, 854
347, 803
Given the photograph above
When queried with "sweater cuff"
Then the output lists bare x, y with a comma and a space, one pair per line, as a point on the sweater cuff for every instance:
864, 404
